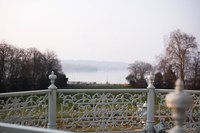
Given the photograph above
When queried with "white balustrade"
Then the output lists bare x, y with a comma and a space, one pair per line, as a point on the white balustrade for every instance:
101, 110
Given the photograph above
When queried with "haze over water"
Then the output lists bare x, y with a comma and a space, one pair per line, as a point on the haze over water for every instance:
95, 71
113, 77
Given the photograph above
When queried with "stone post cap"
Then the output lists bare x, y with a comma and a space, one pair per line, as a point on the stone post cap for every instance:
150, 79
52, 78
179, 98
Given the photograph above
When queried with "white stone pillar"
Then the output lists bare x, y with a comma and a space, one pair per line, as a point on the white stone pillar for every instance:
52, 102
150, 104
179, 102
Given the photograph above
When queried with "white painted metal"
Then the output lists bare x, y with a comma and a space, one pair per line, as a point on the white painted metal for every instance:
150, 103
23, 93
179, 102
102, 90
25, 108
100, 111
52, 110
144, 114
12, 128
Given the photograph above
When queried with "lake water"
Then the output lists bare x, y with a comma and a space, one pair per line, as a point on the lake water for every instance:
113, 77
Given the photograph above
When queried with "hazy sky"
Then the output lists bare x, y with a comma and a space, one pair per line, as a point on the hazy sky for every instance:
110, 30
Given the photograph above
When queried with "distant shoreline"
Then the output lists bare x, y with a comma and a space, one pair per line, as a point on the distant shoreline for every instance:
102, 77
92, 66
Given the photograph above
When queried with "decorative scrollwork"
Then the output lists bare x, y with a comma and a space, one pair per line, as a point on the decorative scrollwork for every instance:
163, 113
100, 111
25, 110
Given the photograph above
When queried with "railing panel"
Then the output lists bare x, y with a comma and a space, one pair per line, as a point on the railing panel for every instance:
162, 113
95, 110
24, 108
12, 128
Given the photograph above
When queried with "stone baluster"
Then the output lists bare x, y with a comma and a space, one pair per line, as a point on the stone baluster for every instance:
179, 102
150, 103
144, 114
52, 102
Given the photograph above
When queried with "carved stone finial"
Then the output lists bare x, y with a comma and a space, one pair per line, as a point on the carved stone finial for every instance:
179, 85
150, 79
179, 101
52, 78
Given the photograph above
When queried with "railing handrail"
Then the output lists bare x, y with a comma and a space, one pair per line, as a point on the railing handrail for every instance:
13, 128
23, 93
172, 90
102, 90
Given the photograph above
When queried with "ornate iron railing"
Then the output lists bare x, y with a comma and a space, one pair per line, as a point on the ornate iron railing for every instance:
77, 109
25, 108
100, 109
163, 114
95, 110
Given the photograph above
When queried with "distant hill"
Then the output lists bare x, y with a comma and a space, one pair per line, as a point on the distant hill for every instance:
92, 66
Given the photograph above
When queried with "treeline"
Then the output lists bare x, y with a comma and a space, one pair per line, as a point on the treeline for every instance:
181, 59
27, 69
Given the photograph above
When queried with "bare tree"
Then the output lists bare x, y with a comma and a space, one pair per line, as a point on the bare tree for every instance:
27, 69
51, 62
163, 63
5, 52
137, 73
14, 67
194, 74
179, 49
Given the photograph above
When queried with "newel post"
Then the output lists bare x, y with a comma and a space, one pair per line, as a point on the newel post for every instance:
179, 102
150, 103
52, 102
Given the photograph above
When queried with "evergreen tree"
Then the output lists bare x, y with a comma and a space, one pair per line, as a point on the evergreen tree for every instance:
169, 78
158, 82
